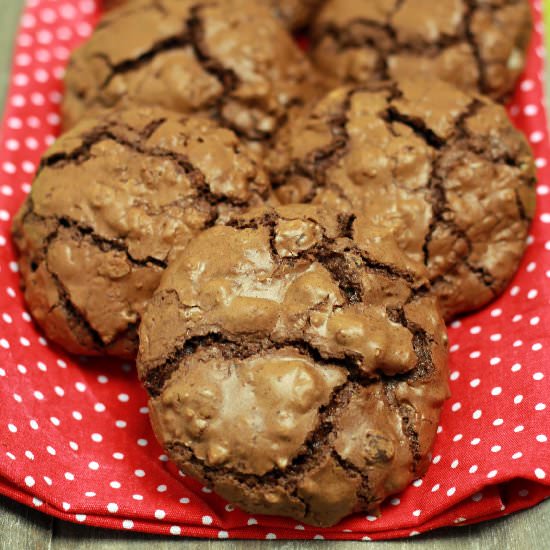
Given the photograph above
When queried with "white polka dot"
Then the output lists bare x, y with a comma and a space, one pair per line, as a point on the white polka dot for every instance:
498, 422
475, 330
477, 414
417, 482
436, 487
497, 312
456, 406
128, 524
69, 476
144, 410
271, 536
454, 347
494, 361
492, 474
77, 415
545, 217
206, 520
66, 506
29, 481
540, 406
475, 382
536, 137
414, 533
98, 438
475, 441
436, 459
516, 367
93, 465
80, 517
473, 469
55, 421
51, 450
47, 480
102, 379
514, 291
59, 391
496, 391
540, 162
527, 85
496, 448
518, 429
99, 407
534, 321
160, 514
112, 507
454, 463
175, 530
475, 354
536, 347
89, 494
80, 386
225, 535
29, 455
162, 488
139, 473
477, 497
142, 442
540, 473
123, 397
115, 484
451, 491
33, 424
495, 337
395, 501
416, 513
454, 375
118, 456
517, 455
541, 438
137, 497
185, 500
120, 424
530, 110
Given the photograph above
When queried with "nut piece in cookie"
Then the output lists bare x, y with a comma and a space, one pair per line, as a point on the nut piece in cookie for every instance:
228, 59
478, 45
114, 200
295, 365
445, 171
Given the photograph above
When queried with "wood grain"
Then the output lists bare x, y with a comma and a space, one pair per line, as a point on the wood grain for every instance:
22, 528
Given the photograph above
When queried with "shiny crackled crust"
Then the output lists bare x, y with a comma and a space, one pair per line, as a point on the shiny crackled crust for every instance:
114, 200
478, 45
446, 171
295, 365
228, 59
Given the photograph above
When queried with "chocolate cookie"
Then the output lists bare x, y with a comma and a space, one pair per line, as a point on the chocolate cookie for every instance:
295, 365
114, 200
445, 171
478, 45
228, 59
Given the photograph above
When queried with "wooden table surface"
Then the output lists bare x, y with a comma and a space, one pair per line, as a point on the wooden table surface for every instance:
22, 528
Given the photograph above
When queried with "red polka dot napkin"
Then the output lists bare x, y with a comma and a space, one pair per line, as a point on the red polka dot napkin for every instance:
75, 440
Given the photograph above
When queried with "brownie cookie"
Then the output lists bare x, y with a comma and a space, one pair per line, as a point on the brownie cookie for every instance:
114, 200
228, 59
294, 364
478, 45
445, 171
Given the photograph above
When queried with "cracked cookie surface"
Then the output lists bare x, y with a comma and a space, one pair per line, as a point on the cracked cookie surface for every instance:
478, 45
114, 200
228, 59
445, 171
295, 364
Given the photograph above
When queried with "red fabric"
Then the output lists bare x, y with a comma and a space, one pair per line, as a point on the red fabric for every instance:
75, 439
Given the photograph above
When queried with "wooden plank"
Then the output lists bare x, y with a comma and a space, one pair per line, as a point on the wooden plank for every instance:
8, 27
22, 528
